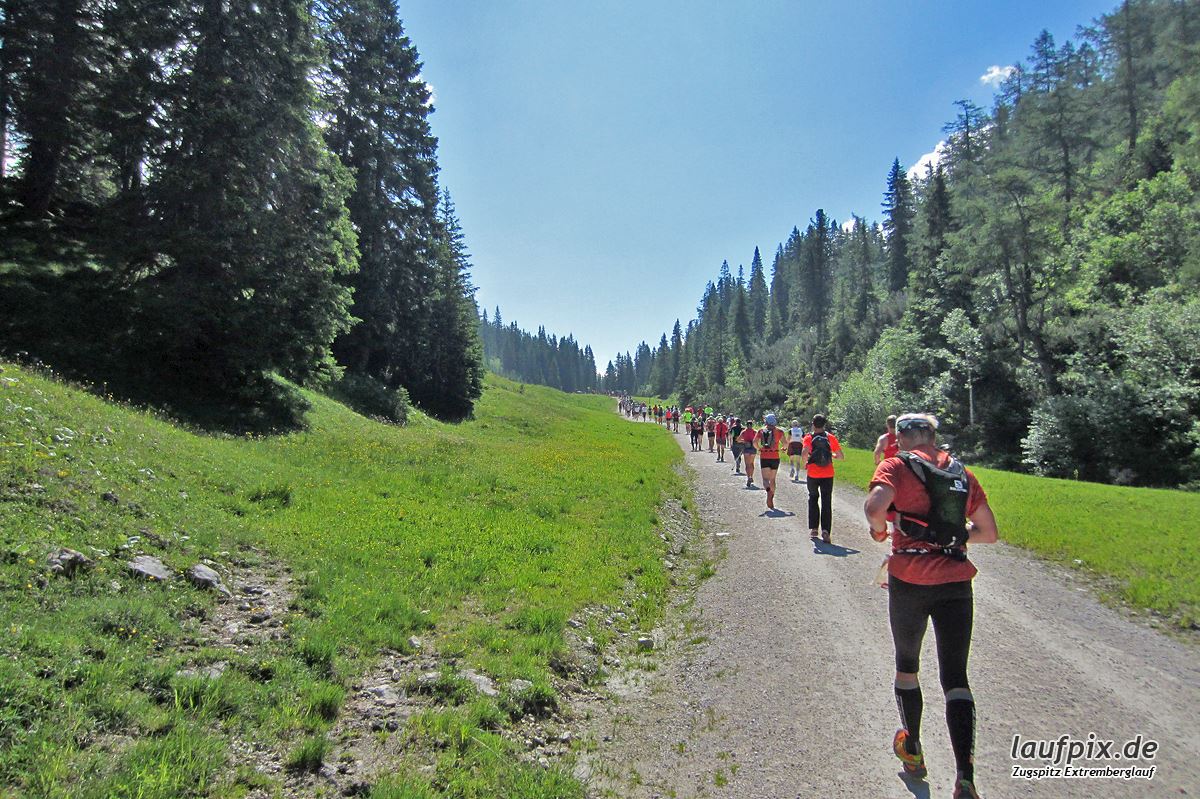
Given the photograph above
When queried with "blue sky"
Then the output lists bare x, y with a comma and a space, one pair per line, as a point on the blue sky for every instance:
606, 156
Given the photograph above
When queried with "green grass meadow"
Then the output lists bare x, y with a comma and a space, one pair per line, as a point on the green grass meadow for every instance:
1138, 541
481, 538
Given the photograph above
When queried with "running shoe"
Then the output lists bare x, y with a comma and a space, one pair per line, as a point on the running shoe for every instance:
914, 765
813, 535
826, 537
965, 789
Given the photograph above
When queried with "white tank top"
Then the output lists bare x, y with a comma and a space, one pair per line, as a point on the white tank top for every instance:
797, 434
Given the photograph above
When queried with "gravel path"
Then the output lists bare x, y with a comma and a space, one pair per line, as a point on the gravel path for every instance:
778, 682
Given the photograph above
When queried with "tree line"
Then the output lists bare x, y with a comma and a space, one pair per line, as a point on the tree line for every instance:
201, 194
543, 359
1037, 288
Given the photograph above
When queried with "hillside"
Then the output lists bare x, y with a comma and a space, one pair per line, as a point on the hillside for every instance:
431, 547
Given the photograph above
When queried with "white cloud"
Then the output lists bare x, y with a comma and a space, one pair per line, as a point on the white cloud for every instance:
996, 75
430, 89
928, 160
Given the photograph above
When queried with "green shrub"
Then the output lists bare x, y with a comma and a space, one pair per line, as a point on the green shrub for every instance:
372, 398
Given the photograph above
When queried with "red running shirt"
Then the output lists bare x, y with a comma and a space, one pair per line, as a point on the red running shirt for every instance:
911, 498
891, 448
768, 442
822, 471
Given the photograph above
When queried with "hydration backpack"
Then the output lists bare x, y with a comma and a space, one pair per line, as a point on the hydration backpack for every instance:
819, 451
946, 524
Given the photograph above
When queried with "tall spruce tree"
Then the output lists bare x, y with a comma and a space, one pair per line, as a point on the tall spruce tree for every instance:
758, 298
378, 108
52, 50
899, 208
454, 378
253, 215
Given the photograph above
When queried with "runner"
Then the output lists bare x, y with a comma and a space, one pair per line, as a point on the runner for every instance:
687, 419
721, 428
887, 447
710, 428
697, 431
769, 439
928, 579
820, 448
795, 447
735, 444
748, 451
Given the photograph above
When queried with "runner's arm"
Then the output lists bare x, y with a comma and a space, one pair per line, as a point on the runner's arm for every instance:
879, 445
876, 507
982, 529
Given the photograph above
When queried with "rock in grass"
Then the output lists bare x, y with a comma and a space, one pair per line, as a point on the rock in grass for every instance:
205, 577
645, 643
520, 686
110, 497
210, 672
149, 568
482, 683
67, 562
429, 680
383, 694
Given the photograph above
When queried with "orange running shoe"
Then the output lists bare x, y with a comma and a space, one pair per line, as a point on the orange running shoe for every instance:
914, 765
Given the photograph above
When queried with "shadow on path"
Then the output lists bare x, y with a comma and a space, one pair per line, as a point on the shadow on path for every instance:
918, 788
821, 548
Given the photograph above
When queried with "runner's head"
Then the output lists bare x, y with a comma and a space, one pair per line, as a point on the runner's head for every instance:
818, 421
795, 423
771, 421
916, 429
891, 423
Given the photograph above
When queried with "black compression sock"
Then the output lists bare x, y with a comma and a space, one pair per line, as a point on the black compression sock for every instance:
910, 705
960, 720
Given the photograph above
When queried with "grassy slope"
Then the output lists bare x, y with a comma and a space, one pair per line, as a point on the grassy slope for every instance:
1140, 540
486, 535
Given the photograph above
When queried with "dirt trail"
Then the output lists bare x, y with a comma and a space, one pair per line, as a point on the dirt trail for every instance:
780, 685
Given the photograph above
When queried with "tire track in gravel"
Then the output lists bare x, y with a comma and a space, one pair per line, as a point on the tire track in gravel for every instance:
788, 690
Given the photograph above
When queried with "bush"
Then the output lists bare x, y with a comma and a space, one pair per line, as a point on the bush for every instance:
372, 398
859, 409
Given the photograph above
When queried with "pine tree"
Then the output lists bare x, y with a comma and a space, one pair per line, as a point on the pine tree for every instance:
758, 298
777, 321
740, 327
454, 379
253, 214
50, 62
378, 125
899, 210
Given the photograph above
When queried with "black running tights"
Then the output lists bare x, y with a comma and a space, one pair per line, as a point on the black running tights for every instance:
951, 606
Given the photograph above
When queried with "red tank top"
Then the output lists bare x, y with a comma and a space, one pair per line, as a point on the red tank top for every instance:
890, 448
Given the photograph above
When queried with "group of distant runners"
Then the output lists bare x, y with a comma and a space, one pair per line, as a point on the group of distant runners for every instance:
930, 506
809, 454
